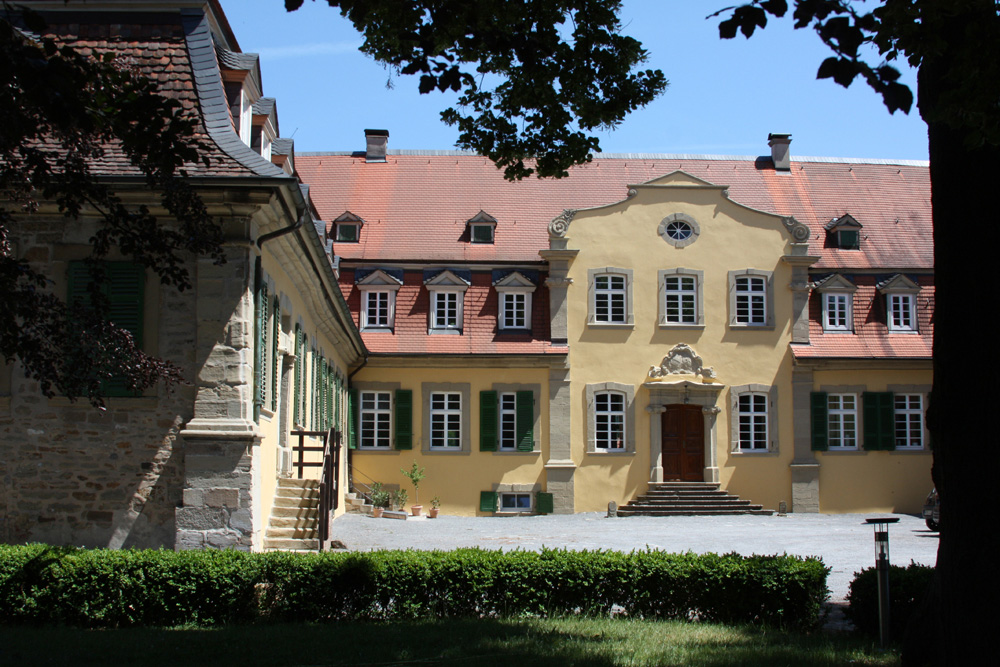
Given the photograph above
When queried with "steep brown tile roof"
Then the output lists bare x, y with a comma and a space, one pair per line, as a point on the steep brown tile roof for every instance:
415, 205
176, 50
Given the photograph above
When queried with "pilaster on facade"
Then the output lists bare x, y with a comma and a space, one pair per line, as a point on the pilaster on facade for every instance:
800, 262
559, 467
804, 466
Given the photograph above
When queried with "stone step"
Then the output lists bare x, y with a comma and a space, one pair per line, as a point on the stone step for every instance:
289, 482
291, 544
687, 507
292, 522
302, 512
667, 497
624, 511
274, 532
296, 502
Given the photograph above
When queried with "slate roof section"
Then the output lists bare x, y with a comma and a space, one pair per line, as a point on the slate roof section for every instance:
417, 203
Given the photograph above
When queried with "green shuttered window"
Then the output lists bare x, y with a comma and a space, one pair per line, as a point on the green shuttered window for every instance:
124, 286
404, 419
879, 416
506, 421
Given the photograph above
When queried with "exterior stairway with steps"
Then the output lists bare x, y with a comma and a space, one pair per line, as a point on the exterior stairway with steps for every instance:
294, 521
688, 498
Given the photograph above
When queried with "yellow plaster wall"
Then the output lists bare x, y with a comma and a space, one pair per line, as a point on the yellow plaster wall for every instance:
731, 238
270, 422
864, 481
456, 478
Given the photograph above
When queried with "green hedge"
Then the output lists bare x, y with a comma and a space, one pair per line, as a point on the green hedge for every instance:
907, 588
100, 588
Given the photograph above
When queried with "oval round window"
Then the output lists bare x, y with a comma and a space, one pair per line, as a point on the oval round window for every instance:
679, 230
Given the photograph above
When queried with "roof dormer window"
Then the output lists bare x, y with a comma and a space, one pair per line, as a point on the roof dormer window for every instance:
348, 228
844, 232
837, 304
900, 303
482, 228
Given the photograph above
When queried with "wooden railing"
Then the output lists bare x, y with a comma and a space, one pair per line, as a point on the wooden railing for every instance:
329, 486
329, 491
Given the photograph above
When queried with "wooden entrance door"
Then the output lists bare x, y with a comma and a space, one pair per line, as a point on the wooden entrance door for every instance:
683, 439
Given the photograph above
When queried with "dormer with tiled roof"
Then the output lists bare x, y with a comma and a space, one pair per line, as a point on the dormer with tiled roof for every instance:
843, 233
482, 228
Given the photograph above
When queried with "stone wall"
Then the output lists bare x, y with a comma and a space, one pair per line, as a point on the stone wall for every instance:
73, 474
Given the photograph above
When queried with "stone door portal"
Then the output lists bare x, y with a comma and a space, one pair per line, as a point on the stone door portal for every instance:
683, 441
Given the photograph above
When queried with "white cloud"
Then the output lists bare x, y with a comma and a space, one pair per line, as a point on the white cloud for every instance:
307, 50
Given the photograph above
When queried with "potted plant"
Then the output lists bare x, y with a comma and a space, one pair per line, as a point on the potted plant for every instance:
380, 499
399, 497
435, 507
415, 474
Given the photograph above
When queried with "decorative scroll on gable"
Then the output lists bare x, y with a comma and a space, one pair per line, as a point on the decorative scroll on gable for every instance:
682, 360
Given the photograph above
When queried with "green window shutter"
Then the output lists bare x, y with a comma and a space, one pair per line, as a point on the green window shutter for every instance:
336, 399
352, 418
525, 421
818, 408
879, 416
488, 501
275, 340
323, 380
260, 342
543, 503
296, 390
488, 421
124, 287
404, 418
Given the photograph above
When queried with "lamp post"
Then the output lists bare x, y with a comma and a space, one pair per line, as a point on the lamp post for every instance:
881, 527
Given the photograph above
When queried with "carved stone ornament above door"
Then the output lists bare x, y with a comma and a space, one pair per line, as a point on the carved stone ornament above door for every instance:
681, 360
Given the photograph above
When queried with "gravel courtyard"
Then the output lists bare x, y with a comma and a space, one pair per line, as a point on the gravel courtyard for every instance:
844, 541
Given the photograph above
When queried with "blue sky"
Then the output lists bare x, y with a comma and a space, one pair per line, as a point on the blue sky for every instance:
724, 97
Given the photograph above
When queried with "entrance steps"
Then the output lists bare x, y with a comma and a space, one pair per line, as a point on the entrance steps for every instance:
688, 499
294, 521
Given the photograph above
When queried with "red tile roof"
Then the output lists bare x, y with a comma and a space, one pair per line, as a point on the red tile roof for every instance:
415, 205
871, 338
479, 335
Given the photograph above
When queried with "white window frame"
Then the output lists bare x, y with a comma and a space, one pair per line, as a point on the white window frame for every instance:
378, 282
596, 296
665, 294
910, 419
446, 287
607, 416
741, 299
740, 417
431, 390
901, 312
446, 406
592, 392
507, 421
842, 423
513, 287
342, 226
838, 311
376, 418
381, 316
516, 495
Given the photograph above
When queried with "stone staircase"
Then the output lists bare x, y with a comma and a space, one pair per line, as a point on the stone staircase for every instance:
294, 521
688, 498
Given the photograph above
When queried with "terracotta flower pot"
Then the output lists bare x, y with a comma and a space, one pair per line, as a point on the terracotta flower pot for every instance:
377, 512
415, 510
433, 512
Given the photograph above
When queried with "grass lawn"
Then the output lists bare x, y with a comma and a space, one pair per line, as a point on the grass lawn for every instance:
580, 642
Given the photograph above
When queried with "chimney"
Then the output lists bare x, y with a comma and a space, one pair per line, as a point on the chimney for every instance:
779, 151
375, 144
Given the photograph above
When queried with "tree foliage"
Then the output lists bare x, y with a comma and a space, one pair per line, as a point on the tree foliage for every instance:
536, 77
61, 112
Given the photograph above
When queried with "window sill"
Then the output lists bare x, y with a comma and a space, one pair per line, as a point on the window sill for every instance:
445, 452
903, 450
903, 332
755, 452
838, 331
379, 450
611, 325
843, 452
444, 332
680, 325
377, 330
752, 327
515, 452
510, 513
610, 452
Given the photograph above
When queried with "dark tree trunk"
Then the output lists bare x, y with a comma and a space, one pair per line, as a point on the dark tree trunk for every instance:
965, 179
